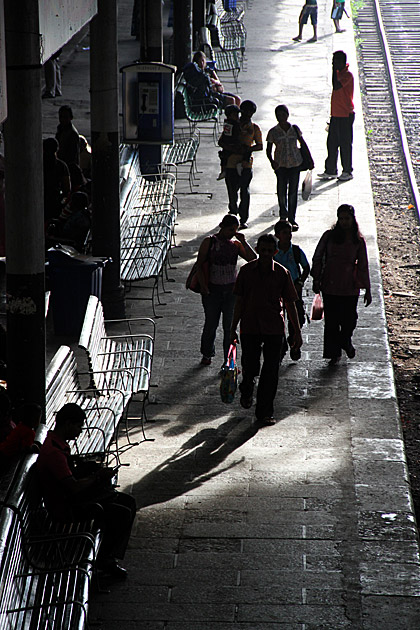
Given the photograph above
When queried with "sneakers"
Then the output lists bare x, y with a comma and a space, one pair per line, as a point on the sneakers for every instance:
243, 226
297, 39
345, 177
349, 349
221, 175
295, 226
326, 175
295, 354
267, 421
205, 361
246, 401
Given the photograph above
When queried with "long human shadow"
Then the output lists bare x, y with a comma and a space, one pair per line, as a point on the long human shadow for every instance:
194, 463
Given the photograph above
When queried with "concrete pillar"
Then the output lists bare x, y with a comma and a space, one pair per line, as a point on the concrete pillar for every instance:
104, 78
199, 18
25, 256
182, 32
151, 30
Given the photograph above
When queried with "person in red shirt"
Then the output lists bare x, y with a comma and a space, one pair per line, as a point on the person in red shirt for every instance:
262, 287
340, 131
72, 497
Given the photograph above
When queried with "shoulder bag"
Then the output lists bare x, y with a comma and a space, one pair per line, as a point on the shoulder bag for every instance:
192, 282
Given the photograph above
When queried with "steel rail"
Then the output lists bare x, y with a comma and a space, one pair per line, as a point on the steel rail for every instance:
397, 109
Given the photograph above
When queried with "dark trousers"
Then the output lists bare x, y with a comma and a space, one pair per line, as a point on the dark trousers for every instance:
340, 319
340, 136
115, 518
287, 191
238, 183
220, 301
271, 346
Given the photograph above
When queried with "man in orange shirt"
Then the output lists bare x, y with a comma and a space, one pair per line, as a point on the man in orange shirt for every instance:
340, 132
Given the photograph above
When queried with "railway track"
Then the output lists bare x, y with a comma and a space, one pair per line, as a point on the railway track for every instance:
388, 34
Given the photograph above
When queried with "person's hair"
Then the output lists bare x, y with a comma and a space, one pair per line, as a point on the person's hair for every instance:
248, 105
282, 225
340, 55
231, 109
229, 220
50, 146
70, 411
27, 413
268, 239
198, 55
281, 108
66, 108
337, 233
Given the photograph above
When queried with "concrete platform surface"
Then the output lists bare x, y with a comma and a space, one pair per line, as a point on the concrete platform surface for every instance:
305, 525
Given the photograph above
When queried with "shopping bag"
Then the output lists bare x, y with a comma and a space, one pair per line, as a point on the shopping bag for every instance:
229, 376
317, 310
307, 186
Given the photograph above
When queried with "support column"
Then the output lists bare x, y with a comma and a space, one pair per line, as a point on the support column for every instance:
199, 17
25, 255
151, 31
105, 152
182, 32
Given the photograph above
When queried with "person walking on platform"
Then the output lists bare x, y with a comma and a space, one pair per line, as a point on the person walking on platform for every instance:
340, 130
340, 269
310, 8
221, 252
261, 288
286, 163
67, 137
239, 164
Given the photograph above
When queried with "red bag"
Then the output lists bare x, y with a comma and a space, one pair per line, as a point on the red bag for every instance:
317, 310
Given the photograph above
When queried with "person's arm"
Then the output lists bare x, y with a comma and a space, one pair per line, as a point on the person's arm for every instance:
74, 486
293, 318
363, 273
258, 143
245, 249
268, 152
317, 262
237, 314
203, 254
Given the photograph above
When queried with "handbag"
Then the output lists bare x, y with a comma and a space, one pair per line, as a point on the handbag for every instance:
317, 310
229, 376
192, 282
307, 161
307, 186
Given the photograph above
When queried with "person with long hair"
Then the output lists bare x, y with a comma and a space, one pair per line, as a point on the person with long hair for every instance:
221, 252
340, 269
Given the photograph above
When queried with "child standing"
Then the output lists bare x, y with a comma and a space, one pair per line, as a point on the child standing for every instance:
293, 258
309, 9
337, 13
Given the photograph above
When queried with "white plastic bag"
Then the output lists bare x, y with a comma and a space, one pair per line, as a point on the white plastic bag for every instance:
307, 186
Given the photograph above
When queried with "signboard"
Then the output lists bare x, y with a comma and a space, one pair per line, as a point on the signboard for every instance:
59, 20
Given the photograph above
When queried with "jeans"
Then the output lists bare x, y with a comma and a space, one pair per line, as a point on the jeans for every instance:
271, 346
340, 136
287, 191
340, 319
239, 183
220, 301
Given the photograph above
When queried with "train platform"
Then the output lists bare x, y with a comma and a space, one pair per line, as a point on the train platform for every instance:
307, 524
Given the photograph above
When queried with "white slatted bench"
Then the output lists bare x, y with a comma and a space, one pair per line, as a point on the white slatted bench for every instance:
225, 60
123, 361
45, 566
183, 151
104, 408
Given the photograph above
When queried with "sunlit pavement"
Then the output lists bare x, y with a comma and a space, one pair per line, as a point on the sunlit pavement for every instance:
305, 525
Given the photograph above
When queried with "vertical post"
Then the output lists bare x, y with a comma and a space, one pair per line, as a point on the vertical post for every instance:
182, 32
199, 17
25, 250
105, 152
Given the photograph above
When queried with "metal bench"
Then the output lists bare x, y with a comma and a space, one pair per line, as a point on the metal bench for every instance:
228, 36
120, 362
45, 566
229, 16
225, 60
183, 151
104, 408
200, 111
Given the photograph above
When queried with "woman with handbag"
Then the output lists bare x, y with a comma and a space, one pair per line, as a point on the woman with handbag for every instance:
216, 272
340, 269
287, 162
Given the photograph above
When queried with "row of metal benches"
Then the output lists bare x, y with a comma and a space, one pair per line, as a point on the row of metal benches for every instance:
46, 568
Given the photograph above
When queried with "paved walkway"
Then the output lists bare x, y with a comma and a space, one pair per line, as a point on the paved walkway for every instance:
305, 525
